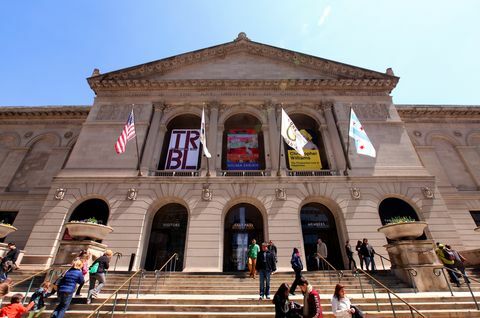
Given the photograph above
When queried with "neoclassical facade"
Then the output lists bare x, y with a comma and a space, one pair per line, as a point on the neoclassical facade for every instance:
59, 164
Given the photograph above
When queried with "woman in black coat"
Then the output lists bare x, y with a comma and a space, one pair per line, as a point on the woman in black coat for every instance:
297, 267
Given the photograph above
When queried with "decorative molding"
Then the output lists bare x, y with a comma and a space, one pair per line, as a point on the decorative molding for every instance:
281, 194
241, 44
115, 112
68, 135
60, 193
207, 194
426, 113
355, 193
427, 193
368, 111
132, 194
49, 112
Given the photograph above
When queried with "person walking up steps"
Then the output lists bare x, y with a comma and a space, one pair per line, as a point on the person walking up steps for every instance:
297, 267
98, 271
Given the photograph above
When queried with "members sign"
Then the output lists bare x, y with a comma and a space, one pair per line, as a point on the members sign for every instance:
183, 150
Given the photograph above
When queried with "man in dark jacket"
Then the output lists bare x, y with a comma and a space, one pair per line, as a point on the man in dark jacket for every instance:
368, 254
265, 266
103, 264
8, 261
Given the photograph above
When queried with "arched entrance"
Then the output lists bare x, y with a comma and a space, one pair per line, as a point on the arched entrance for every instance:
167, 236
243, 223
318, 222
393, 207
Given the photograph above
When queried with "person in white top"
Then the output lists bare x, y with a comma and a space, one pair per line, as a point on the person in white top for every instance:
341, 305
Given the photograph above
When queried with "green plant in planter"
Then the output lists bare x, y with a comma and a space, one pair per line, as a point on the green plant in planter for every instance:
400, 219
5, 223
91, 220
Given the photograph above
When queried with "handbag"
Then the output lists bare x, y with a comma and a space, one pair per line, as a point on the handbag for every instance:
358, 313
93, 269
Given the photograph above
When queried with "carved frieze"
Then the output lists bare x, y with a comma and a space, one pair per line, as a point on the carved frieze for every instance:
116, 112
369, 111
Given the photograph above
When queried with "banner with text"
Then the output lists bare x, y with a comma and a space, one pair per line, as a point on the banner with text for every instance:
242, 150
311, 161
183, 150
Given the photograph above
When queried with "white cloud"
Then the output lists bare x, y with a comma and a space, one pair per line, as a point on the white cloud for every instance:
326, 12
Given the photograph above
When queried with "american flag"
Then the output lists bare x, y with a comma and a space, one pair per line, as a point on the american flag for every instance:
128, 133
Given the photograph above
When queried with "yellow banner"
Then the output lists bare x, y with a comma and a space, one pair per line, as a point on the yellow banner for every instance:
311, 160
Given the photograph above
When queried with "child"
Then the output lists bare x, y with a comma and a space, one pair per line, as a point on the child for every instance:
38, 299
15, 309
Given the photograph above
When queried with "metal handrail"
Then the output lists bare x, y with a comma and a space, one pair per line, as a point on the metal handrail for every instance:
383, 258
467, 281
173, 258
338, 272
31, 276
389, 291
115, 293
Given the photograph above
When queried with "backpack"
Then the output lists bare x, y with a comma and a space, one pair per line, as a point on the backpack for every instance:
448, 254
93, 269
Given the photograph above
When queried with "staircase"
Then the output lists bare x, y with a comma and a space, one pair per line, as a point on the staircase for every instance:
236, 295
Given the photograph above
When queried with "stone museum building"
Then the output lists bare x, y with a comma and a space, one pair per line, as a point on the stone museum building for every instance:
58, 163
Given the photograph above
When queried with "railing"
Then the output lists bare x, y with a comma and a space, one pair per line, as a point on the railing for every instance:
389, 293
313, 173
243, 173
167, 268
118, 255
140, 274
47, 274
441, 270
339, 273
174, 173
383, 258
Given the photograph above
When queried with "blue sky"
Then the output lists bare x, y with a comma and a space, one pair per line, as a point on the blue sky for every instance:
49, 47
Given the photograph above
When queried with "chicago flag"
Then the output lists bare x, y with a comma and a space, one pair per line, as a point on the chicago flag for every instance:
203, 138
357, 132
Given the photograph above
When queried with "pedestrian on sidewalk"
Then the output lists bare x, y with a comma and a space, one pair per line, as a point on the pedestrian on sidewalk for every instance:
297, 267
15, 309
360, 256
98, 272
66, 288
341, 305
253, 250
448, 260
312, 307
459, 263
322, 253
349, 252
265, 266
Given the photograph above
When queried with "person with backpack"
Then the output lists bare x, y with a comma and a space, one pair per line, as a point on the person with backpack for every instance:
459, 263
66, 287
448, 260
38, 298
98, 272
297, 267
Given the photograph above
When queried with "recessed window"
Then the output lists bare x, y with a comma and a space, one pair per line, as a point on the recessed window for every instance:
7, 217
476, 217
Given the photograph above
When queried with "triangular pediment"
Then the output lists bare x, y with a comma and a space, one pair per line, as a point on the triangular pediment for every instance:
240, 60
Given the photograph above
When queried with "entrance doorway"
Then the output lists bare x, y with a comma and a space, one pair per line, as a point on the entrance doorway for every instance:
243, 223
319, 222
168, 235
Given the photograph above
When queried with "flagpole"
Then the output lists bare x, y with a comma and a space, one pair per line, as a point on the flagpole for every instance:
347, 162
279, 146
340, 135
136, 143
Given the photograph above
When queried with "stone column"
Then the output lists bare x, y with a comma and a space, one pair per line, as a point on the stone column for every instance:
10, 165
273, 135
219, 154
335, 138
212, 135
158, 146
151, 145
327, 142
267, 147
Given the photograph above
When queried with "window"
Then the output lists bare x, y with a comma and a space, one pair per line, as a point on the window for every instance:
7, 217
476, 217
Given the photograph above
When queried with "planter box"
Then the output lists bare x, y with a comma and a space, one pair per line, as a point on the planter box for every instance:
477, 229
6, 229
81, 230
404, 230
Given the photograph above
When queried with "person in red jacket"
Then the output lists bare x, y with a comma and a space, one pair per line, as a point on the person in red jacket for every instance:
15, 309
312, 307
